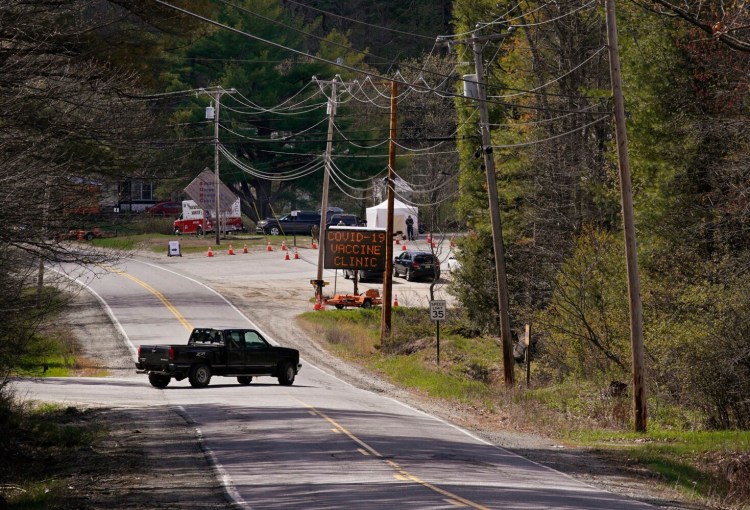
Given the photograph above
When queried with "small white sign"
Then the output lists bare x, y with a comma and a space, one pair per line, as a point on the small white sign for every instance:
437, 310
174, 249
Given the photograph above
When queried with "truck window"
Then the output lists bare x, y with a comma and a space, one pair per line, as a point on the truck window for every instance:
200, 336
253, 341
235, 340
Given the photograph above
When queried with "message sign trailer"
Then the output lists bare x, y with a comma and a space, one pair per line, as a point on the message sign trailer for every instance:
354, 248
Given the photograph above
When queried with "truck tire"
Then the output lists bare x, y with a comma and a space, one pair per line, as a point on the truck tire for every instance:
244, 379
367, 304
177, 231
159, 380
275, 231
409, 277
200, 376
89, 236
395, 272
286, 374
199, 231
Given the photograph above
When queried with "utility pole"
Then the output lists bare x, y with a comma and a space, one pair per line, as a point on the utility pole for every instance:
489, 166
216, 94
324, 201
385, 319
497, 230
631, 252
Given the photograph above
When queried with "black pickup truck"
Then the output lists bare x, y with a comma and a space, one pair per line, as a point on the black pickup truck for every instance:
229, 352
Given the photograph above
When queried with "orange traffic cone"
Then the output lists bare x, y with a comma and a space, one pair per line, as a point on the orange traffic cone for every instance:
403, 247
283, 245
231, 251
286, 256
395, 301
296, 255
317, 306
314, 245
244, 250
397, 241
210, 253
268, 248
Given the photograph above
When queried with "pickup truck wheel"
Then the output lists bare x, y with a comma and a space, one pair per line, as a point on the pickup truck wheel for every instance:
244, 380
275, 231
159, 380
89, 236
409, 277
199, 231
395, 272
177, 231
339, 307
200, 376
286, 374
367, 304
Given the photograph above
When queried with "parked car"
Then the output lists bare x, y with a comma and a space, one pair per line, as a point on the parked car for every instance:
165, 209
296, 222
347, 220
364, 275
413, 264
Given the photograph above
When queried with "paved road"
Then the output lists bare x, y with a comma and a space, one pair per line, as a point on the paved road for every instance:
320, 444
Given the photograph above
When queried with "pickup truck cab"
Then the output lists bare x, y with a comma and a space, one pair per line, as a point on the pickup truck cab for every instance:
228, 352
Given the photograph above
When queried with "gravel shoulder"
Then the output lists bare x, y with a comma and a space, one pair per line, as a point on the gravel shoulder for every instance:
274, 309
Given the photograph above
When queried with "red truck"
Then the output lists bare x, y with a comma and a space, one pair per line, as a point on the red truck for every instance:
195, 220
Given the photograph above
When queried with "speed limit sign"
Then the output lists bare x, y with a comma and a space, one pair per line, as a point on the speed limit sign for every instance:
437, 310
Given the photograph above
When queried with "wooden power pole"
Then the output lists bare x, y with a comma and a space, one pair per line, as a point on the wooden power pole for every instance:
385, 320
631, 254
497, 230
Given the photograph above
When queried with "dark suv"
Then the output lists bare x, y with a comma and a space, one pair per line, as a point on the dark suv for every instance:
347, 220
416, 264
296, 222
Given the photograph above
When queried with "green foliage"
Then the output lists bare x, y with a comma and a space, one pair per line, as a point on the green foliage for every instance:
585, 325
474, 283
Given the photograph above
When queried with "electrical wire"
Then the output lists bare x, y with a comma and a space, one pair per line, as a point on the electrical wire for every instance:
555, 80
307, 169
270, 140
360, 22
544, 140
329, 62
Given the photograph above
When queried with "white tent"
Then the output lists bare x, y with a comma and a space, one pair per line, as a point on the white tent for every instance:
377, 217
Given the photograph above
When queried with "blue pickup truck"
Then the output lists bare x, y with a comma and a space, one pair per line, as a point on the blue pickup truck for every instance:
227, 352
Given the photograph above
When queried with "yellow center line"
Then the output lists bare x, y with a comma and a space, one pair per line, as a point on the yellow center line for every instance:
161, 297
401, 473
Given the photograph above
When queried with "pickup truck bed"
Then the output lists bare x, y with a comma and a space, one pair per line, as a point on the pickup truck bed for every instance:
230, 352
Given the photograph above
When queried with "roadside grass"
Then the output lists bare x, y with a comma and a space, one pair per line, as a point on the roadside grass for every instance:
51, 350
40, 444
712, 467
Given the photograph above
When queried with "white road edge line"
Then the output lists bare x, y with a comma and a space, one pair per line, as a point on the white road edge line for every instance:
107, 309
230, 491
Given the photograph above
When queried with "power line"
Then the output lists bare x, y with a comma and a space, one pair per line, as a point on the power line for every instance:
361, 22
337, 64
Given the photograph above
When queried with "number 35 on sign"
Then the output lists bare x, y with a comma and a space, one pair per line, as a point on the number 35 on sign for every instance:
437, 310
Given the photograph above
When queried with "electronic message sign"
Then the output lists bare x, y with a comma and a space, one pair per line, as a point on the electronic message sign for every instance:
354, 248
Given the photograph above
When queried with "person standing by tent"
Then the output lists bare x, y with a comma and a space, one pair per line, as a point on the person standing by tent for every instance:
410, 228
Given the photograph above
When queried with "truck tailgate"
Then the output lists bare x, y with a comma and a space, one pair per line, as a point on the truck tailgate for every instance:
151, 357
